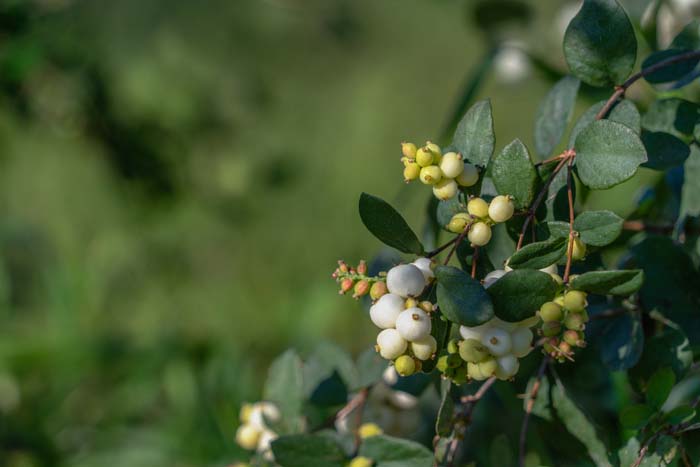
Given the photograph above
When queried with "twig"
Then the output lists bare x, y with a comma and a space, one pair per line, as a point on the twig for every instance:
570, 249
475, 257
528, 409
356, 403
458, 240
440, 249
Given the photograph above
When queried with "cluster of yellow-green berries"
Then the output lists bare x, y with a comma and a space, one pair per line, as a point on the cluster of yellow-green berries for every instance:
563, 322
490, 349
480, 216
253, 433
444, 172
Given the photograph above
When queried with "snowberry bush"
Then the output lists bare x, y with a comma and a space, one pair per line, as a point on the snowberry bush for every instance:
571, 330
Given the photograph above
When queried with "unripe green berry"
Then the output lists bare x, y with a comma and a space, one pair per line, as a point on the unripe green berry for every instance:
453, 346
361, 461
378, 290
574, 338
424, 157
471, 350
445, 189
574, 321
479, 234
454, 360
409, 150
488, 367
442, 364
575, 300
451, 165
474, 372
550, 346
459, 222
434, 148
550, 311
552, 328
477, 207
469, 175
559, 300
405, 366
501, 208
411, 172
367, 430
430, 175
578, 252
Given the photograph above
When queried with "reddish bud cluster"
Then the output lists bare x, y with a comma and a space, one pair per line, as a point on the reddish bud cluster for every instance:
356, 279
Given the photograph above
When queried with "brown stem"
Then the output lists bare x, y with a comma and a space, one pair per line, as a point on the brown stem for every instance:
458, 240
440, 249
570, 195
475, 257
528, 409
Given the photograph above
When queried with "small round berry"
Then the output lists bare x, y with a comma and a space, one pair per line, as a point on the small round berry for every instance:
477, 207
410, 303
413, 324
367, 430
575, 321
409, 150
390, 376
426, 306
453, 346
391, 344
452, 165
501, 208
405, 366
488, 367
550, 345
265, 441
574, 338
361, 288
426, 267
497, 341
405, 280
469, 175
402, 400
246, 411
430, 175
378, 290
411, 172
424, 157
442, 364
445, 189
551, 328
384, 313
434, 148
474, 372
262, 413
472, 350
575, 300
247, 437
508, 367
492, 277
425, 348
521, 340
550, 311
474, 332
360, 461
479, 234
459, 222
578, 252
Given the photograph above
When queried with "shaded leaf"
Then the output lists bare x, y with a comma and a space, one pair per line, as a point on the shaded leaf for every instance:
622, 283
285, 385
621, 342
513, 173
670, 349
690, 193
659, 387
520, 293
394, 452
308, 451
461, 299
598, 228
385, 223
370, 368
673, 115
624, 112
474, 137
671, 72
554, 114
681, 414
663, 150
635, 417
539, 255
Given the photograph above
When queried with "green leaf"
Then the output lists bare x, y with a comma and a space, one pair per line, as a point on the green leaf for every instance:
443, 422
636, 416
370, 367
501, 451
308, 451
668, 73
474, 137
599, 44
690, 193
621, 342
327, 359
520, 293
688, 38
557, 229
394, 452
579, 426
387, 225
670, 349
674, 115
598, 228
663, 150
607, 153
554, 114
624, 112
659, 387
681, 414
539, 255
461, 299
513, 173
285, 386
629, 454
621, 283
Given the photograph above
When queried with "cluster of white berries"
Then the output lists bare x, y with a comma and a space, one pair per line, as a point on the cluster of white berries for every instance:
480, 216
254, 433
405, 322
445, 172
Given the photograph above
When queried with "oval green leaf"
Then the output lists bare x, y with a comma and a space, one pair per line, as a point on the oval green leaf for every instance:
554, 114
474, 137
609, 282
660, 386
598, 228
385, 223
671, 72
513, 173
539, 255
621, 342
461, 299
663, 150
520, 293
624, 112
636, 416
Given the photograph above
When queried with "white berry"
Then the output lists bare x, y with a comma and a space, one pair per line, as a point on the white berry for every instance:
424, 348
266, 438
262, 413
521, 340
445, 189
413, 324
497, 341
424, 264
508, 367
492, 277
451, 165
384, 313
501, 208
247, 437
405, 280
469, 175
474, 332
479, 234
391, 344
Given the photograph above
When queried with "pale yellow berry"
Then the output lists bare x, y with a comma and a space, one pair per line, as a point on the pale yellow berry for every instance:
434, 148
474, 372
247, 437
411, 172
409, 150
405, 365
479, 234
469, 175
424, 157
477, 207
246, 411
459, 222
451, 164
501, 208
445, 189
424, 348
578, 252
367, 430
575, 301
360, 461
430, 175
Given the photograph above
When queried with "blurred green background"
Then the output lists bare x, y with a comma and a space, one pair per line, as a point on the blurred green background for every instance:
177, 180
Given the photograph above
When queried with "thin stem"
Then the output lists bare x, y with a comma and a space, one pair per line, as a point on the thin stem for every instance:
475, 257
620, 90
528, 409
458, 240
440, 249
570, 195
